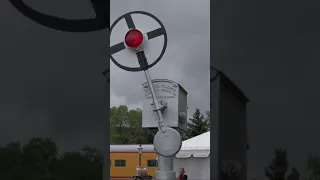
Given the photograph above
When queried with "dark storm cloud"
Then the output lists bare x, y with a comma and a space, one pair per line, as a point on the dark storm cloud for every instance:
269, 50
51, 82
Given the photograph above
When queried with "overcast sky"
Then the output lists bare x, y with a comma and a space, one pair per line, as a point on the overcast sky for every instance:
186, 60
51, 81
271, 50
49, 88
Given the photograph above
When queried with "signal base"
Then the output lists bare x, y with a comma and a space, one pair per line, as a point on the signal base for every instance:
166, 175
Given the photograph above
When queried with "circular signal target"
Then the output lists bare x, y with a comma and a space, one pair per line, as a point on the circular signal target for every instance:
100, 22
133, 40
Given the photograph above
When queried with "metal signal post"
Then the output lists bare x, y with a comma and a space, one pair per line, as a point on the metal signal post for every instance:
165, 164
157, 106
167, 141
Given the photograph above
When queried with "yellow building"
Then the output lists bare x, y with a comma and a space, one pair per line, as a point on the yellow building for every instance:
125, 159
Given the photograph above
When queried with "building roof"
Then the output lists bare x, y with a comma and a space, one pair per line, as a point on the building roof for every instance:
228, 83
131, 148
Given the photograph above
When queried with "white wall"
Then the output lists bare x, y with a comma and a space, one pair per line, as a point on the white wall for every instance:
195, 168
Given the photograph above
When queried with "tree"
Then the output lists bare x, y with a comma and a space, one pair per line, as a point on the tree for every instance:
72, 165
314, 167
39, 157
207, 119
126, 126
198, 125
119, 124
279, 166
294, 174
39, 160
140, 135
230, 169
82, 165
10, 161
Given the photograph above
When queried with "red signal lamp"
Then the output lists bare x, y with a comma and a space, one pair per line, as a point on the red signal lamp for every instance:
134, 38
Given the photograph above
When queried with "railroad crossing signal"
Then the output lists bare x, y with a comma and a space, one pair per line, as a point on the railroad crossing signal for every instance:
167, 141
135, 40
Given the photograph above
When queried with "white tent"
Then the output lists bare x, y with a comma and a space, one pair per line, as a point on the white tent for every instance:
194, 157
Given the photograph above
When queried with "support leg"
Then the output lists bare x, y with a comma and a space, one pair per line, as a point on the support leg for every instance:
165, 169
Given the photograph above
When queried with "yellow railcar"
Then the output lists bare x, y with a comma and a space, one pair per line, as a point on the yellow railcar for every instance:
125, 158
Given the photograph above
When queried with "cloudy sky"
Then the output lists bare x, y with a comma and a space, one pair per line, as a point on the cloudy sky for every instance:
49, 88
271, 50
51, 82
186, 60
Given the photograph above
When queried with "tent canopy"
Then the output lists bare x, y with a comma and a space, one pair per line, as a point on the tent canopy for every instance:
198, 146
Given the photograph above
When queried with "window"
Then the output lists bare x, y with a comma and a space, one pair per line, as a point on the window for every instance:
152, 163
120, 163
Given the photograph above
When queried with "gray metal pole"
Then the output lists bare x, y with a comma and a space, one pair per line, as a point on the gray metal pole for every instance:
165, 169
165, 164
162, 123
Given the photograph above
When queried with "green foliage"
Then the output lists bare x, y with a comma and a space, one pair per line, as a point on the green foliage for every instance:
314, 167
39, 160
279, 166
207, 119
199, 124
125, 127
294, 174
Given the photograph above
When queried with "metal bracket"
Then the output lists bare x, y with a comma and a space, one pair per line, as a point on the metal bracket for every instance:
162, 105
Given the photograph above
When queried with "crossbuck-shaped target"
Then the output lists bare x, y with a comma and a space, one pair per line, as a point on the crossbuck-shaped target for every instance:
148, 36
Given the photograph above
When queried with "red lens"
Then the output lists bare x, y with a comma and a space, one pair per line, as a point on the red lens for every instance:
134, 38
